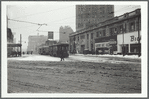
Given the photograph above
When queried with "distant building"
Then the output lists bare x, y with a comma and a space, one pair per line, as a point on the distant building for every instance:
35, 41
87, 15
10, 36
11, 45
64, 33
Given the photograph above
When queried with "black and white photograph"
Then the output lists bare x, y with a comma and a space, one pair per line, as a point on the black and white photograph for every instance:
74, 49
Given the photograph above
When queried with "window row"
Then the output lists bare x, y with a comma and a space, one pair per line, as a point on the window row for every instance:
120, 29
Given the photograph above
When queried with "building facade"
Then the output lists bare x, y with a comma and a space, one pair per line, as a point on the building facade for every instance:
35, 41
87, 15
64, 33
120, 34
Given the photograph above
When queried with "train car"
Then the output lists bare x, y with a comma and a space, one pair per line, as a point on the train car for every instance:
44, 50
55, 50
63, 47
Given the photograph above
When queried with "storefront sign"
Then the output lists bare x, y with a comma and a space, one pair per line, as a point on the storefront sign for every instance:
133, 38
101, 45
128, 38
112, 42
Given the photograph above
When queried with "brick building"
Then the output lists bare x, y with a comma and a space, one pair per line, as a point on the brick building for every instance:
87, 15
116, 35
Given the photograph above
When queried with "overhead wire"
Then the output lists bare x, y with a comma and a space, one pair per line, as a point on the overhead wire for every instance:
23, 27
61, 19
42, 12
26, 22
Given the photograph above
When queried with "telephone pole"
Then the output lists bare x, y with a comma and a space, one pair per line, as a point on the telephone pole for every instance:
20, 45
139, 45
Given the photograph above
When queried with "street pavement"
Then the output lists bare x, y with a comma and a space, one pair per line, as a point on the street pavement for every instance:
77, 74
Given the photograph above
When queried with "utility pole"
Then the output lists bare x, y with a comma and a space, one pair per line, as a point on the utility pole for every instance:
20, 45
123, 39
139, 45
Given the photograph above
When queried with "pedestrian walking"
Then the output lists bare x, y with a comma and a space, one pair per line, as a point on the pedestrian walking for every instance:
62, 55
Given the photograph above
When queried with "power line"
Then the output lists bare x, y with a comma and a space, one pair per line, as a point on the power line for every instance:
24, 27
27, 22
62, 19
42, 12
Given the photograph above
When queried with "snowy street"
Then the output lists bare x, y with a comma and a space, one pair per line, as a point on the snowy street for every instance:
77, 74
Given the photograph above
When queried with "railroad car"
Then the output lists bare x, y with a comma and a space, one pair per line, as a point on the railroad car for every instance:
55, 50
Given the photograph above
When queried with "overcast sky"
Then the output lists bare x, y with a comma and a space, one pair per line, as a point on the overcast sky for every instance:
53, 14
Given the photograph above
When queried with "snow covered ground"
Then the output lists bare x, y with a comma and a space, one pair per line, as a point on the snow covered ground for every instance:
35, 58
107, 55
118, 59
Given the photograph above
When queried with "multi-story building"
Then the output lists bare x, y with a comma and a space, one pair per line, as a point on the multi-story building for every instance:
11, 44
87, 15
10, 36
35, 41
120, 34
64, 33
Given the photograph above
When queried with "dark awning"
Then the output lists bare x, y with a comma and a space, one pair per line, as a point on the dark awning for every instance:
14, 45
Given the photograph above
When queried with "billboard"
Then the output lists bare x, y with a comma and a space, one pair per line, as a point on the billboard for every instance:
50, 35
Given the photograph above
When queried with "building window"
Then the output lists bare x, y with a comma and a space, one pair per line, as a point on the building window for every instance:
82, 36
115, 31
121, 29
139, 25
91, 35
132, 26
78, 38
92, 47
74, 38
87, 36
97, 34
104, 33
111, 31
100, 34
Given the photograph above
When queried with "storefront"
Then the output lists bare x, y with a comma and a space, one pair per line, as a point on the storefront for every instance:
106, 45
128, 43
11, 50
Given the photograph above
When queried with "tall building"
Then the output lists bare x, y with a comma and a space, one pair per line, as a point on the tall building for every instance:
87, 15
35, 41
64, 33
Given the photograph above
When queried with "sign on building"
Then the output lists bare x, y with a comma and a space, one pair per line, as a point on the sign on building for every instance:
50, 35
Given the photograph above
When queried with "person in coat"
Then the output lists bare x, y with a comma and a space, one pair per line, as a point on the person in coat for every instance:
62, 55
